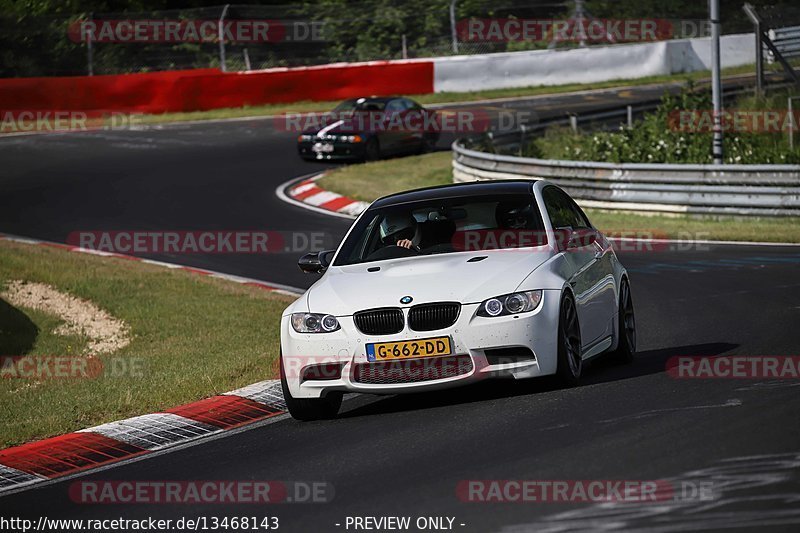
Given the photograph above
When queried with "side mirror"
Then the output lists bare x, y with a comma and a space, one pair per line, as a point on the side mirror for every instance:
316, 262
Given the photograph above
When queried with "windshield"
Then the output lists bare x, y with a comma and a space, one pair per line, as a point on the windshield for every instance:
360, 104
444, 225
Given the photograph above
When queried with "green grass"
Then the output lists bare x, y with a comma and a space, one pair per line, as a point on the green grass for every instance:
655, 139
436, 98
372, 180
192, 337
239, 112
700, 228
369, 181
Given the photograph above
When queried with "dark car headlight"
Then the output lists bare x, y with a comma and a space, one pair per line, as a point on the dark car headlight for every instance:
314, 323
305, 138
510, 304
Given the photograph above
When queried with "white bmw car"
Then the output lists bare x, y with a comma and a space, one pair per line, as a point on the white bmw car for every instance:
444, 286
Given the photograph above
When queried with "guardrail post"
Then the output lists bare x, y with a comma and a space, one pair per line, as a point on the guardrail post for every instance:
89, 51
573, 122
630, 116
756, 20
759, 62
246, 60
221, 36
453, 34
716, 82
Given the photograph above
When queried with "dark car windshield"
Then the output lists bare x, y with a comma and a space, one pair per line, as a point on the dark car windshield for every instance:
444, 225
359, 104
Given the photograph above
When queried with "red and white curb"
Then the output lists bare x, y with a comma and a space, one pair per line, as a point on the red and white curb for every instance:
124, 439
305, 193
98, 446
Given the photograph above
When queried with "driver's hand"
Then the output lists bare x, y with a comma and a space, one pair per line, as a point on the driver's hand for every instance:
405, 243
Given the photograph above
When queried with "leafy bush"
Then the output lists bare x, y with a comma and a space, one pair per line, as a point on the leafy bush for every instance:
652, 140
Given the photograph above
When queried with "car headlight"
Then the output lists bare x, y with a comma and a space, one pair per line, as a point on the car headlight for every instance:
314, 323
510, 304
350, 138
305, 138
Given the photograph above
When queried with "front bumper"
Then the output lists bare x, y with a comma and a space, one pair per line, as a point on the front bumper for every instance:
471, 335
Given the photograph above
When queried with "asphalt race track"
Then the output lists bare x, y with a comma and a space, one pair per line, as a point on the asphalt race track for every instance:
219, 175
405, 455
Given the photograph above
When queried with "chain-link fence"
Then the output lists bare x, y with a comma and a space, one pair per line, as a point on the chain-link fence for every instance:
252, 37
98, 43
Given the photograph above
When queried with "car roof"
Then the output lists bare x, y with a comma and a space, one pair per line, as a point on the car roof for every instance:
374, 98
457, 190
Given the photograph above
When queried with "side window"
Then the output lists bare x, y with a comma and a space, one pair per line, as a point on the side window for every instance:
560, 212
563, 211
581, 215
411, 105
395, 106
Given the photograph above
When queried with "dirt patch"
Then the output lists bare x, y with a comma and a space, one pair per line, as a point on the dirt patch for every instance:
106, 333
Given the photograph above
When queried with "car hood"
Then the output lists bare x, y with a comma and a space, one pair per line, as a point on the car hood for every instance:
446, 277
344, 126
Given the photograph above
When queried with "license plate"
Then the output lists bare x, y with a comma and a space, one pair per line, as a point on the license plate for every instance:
322, 148
388, 351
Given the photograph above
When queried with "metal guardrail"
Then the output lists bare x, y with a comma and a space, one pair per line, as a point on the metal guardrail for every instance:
738, 190
512, 141
509, 142
786, 40
742, 190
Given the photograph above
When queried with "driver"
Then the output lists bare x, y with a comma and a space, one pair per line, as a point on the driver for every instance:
400, 230
520, 219
513, 215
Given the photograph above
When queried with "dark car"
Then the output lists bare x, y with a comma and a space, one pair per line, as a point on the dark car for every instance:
367, 129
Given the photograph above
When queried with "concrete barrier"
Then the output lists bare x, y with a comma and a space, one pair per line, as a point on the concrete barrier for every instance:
587, 65
198, 90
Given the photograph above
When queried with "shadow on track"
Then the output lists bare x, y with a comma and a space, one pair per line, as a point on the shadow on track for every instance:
604, 370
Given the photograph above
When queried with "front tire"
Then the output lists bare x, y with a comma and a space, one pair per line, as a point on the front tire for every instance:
570, 362
372, 151
626, 325
307, 409
428, 143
